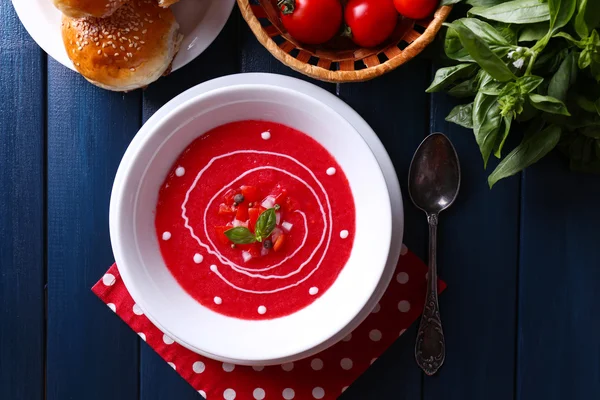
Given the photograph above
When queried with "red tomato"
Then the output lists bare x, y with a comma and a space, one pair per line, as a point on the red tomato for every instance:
416, 9
311, 21
224, 209
229, 195
280, 198
253, 214
370, 21
279, 242
220, 231
250, 193
242, 212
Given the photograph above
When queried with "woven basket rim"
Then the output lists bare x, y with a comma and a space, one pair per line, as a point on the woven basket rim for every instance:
339, 76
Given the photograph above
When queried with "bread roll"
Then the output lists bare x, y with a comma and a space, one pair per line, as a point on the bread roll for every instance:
128, 50
88, 8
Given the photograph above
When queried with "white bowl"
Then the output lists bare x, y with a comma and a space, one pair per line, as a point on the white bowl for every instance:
135, 244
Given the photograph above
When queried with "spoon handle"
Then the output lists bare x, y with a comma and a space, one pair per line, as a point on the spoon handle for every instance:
430, 349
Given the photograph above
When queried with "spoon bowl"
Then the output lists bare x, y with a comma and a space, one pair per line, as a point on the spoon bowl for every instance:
434, 176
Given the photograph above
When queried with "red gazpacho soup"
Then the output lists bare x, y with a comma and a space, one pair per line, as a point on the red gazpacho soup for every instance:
255, 220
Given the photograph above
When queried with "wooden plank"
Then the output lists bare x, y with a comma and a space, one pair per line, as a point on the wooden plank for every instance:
91, 354
158, 381
22, 273
396, 107
559, 284
478, 258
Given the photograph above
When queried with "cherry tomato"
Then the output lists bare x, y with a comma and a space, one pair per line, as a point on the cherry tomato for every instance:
311, 21
229, 195
370, 21
416, 9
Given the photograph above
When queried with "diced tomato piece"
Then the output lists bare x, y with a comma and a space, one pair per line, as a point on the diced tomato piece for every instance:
255, 250
220, 231
252, 248
253, 214
279, 242
291, 205
242, 212
250, 193
281, 197
229, 195
224, 209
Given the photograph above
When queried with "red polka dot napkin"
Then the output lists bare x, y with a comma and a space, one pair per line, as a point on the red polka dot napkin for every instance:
324, 376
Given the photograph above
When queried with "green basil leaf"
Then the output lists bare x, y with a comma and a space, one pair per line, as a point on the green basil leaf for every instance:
515, 12
507, 123
585, 103
529, 83
455, 50
591, 132
482, 54
585, 59
588, 17
485, 3
484, 31
265, 224
534, 32
548, 104
462, 115
446, 76
596, 70
486, 123
240, 235
466, 88
531, 150
570, 38
449, 2
493, 88
561, 12
564, 78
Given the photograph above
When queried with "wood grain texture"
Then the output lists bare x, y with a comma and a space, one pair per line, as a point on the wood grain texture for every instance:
22, 275
158, 381
478, 258
401, 122
559, 284
91, 353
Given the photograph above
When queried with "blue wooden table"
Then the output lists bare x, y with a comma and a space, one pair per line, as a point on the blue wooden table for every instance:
522, 261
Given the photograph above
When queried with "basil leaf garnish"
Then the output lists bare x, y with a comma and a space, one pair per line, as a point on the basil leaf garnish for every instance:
240, 235
266, 223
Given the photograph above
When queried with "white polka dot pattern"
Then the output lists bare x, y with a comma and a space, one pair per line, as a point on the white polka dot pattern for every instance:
318, 393
137, 310
229, 394
227, 367
167, 340
287, 367
142, 335
259, 394
375, 335
172, 366
109, 279
198, 367
202, 393
316, 364
346, 364
288, 394
404, 306
112, 307
402, 277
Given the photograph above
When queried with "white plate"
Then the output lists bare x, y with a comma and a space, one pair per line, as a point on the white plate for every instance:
200, 22
366, 304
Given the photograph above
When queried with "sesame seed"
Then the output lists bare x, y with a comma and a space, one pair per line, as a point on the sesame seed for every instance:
136, 38
142, 42
116, 54
122, 48
132, 69
105, 55
125, 58
144, 31
99, 52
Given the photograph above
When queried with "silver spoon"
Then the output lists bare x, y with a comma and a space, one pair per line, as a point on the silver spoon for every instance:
433, 184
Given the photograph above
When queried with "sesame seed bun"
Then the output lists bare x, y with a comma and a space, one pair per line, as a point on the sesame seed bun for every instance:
128, 50
88, 8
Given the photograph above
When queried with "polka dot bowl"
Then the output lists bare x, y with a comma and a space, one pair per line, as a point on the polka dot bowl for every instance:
135, 243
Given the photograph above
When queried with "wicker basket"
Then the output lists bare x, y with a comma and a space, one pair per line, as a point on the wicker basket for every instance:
340, 60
